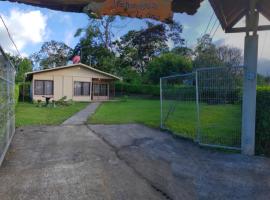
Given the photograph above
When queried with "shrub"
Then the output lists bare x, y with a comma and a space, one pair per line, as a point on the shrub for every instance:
141, 89
24, 91
263, 121
16, 95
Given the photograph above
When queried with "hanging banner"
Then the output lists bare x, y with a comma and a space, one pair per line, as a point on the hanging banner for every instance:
155, 9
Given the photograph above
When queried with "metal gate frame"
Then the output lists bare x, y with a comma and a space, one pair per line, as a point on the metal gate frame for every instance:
198, 137
7, 103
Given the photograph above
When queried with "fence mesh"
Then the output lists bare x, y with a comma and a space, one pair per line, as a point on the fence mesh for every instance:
7, 103
204, 106
178, 104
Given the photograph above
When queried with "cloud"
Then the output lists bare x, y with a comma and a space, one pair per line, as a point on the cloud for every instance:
26, 27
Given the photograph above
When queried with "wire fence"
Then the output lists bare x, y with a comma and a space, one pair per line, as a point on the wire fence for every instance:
204, 106
7, 104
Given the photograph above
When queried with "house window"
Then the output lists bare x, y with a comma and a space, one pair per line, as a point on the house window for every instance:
43, 87
81, 88
100, 89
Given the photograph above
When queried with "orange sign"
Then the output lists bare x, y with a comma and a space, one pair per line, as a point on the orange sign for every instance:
155, 9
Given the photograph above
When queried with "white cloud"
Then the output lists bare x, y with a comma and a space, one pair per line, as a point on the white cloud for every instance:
26, 27
237, 39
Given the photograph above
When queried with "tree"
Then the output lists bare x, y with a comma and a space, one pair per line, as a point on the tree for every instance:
22, 66
95, 46
206, 53
52, 54
230, 56
168, 64
183, 51
138, 48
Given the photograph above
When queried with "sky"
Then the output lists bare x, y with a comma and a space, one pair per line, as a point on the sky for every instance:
31, 26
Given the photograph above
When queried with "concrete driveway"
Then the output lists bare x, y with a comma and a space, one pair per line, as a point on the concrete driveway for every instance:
68, 162
124, 162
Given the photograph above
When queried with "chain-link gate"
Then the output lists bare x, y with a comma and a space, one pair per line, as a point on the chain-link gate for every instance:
7, 104
204, 106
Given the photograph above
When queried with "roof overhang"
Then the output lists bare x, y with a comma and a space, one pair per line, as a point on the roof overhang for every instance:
29, 75
177, 6
229, 12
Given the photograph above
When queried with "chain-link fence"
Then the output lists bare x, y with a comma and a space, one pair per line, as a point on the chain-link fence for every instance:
204, 106
7, 104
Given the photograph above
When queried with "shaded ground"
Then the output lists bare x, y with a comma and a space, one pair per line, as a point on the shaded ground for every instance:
67, 162
182, 170
124, 162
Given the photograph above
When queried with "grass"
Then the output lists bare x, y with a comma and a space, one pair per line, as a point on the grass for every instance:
219, 124
29, 114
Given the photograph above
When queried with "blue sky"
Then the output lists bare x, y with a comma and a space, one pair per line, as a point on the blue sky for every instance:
31, 26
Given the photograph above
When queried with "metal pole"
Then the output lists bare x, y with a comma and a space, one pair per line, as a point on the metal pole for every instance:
198, 108
250, 83
161, 102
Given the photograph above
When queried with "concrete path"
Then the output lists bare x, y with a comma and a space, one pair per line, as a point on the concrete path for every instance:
68, 163
124, 162
82, 116
182, 170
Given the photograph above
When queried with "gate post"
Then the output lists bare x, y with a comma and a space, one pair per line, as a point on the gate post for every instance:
161, 104
249, 95
250, 82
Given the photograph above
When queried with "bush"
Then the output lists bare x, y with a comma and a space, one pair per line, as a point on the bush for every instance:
16, 95
138, 89
24, 91
263, 121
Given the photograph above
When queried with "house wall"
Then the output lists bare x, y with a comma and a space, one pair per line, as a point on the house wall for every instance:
64, 82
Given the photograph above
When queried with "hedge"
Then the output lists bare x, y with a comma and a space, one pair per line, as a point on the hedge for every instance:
263, 121
141, 89
17, 93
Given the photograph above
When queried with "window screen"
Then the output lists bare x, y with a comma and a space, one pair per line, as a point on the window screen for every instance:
100, 90
81, 88
43, 87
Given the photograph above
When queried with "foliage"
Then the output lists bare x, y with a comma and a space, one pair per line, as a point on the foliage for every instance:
207, 54
263, 121
22, 66
16, 94
141, 89
52, 54
95, 46
230, 56
137, 48
27, 114
167, 64
24, 91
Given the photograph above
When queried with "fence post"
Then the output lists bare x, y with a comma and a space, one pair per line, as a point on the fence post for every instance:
197, 107
161, 99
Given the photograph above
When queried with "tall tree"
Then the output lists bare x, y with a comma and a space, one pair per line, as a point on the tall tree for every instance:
230, 56
95, 45
206, 53
52, 54
139, 47
22, 65
168, 64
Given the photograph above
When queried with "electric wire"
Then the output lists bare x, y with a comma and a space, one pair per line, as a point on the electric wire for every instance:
9, 35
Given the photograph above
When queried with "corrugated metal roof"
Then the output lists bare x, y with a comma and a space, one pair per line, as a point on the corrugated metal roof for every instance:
229, 12
179, 6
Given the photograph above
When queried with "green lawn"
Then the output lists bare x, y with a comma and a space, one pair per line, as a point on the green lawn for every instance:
219, 124
30, 114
